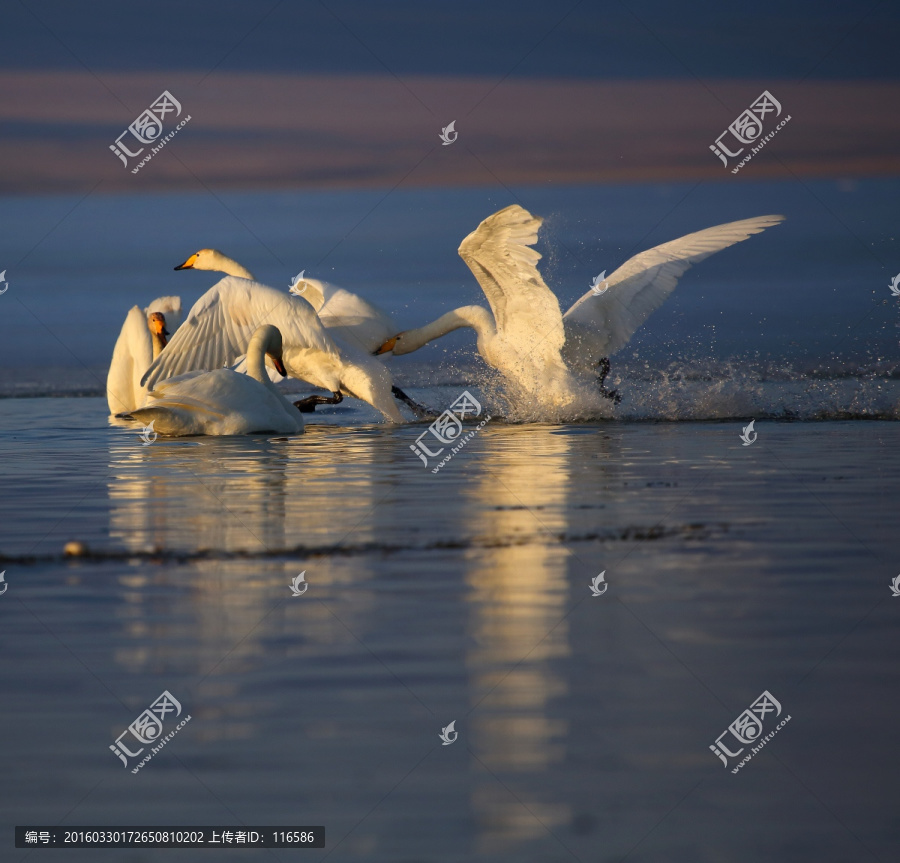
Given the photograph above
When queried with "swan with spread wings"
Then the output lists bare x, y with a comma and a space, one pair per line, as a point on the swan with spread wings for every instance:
222, 322
526, 337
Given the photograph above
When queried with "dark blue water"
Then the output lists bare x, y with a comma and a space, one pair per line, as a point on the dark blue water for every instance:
584, 722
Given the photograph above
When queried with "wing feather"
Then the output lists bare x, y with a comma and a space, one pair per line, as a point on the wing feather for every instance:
131, 357
221, 323
599, 325
498, 253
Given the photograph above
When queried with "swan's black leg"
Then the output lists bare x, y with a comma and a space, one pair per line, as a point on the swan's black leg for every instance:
603, 370
421, 412
308, 405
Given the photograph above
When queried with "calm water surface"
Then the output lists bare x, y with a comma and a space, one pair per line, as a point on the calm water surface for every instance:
584, 722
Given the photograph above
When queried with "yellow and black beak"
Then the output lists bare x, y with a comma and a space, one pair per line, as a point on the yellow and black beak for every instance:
387, 346
188, 264
279, 366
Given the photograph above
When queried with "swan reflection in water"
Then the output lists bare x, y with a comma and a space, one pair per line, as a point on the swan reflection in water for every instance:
518, 600
242, 499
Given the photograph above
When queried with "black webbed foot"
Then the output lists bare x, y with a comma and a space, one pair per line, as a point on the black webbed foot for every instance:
603, 370
308, 405
421, 411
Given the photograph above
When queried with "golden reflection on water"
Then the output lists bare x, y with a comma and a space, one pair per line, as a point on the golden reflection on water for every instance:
517, 602
241, 494
232, 495
256, 495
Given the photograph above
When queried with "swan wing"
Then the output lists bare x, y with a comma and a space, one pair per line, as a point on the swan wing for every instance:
131, 357
354, 319
221, 323
526, 311
312, 290
600, 324
217, 402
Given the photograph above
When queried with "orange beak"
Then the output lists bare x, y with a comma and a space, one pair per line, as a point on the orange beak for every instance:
279, 366
387, 346
188, 264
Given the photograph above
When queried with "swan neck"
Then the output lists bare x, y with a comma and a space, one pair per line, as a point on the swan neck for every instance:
230, 267
159, 342
474, 317
256, 357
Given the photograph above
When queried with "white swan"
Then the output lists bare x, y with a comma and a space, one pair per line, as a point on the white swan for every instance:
527, 338
345, 314
225, 402
142, 337
222, 321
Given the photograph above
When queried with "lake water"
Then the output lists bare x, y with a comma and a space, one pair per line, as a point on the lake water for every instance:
584, 722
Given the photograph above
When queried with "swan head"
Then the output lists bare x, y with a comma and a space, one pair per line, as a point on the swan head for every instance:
213, 259
205, 259
394, 344
157, 324
272, 344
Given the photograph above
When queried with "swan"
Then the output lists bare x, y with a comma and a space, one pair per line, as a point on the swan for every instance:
222, 321
140, 341
223, 401
526, 337
347, 316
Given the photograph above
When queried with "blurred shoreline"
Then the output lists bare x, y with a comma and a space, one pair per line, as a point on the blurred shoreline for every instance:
278, 131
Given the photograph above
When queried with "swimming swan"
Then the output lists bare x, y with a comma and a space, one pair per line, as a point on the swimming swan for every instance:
142, 337
527, 338
225, 402
223, 320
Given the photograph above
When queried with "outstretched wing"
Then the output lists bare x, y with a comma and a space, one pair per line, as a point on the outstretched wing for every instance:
599, 325
525, 310
221, 323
